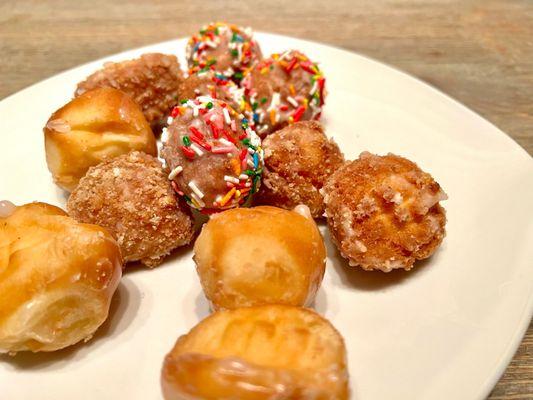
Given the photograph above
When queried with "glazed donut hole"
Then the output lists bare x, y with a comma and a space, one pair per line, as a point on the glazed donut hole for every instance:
58, 278
259, 353
131, 196
96, 126
383, 212
298, 160
260, 255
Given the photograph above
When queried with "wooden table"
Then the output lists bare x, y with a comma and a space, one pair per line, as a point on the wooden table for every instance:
480, 52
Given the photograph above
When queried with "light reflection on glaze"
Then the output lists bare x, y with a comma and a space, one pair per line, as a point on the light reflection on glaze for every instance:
6, 208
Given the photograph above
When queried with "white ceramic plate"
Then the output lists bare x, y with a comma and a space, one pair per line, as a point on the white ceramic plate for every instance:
445, 330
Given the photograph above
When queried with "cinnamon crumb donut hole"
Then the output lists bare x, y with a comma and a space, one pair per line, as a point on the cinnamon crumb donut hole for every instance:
152, 80
298, 160
131, 196
383, 212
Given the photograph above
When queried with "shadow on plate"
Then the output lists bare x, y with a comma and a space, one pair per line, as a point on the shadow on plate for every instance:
122, 311
177, 255
357, 278
320, 303
63, 195
202, 307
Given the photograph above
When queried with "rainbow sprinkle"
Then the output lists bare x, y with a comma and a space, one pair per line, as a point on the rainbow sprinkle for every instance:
287, 105
207, 132
219, 87
242, 49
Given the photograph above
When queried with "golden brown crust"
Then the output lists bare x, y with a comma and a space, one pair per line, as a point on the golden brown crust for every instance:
298, 160
258, 353
94, 127
383, 212
57, 277
132, 197
260, 255
152, 80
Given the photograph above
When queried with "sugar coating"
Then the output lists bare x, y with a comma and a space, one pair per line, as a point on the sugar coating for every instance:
298, 160
152, 80
131, 197
383, 212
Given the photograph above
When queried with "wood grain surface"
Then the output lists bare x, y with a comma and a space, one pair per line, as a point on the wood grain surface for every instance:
479, 52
